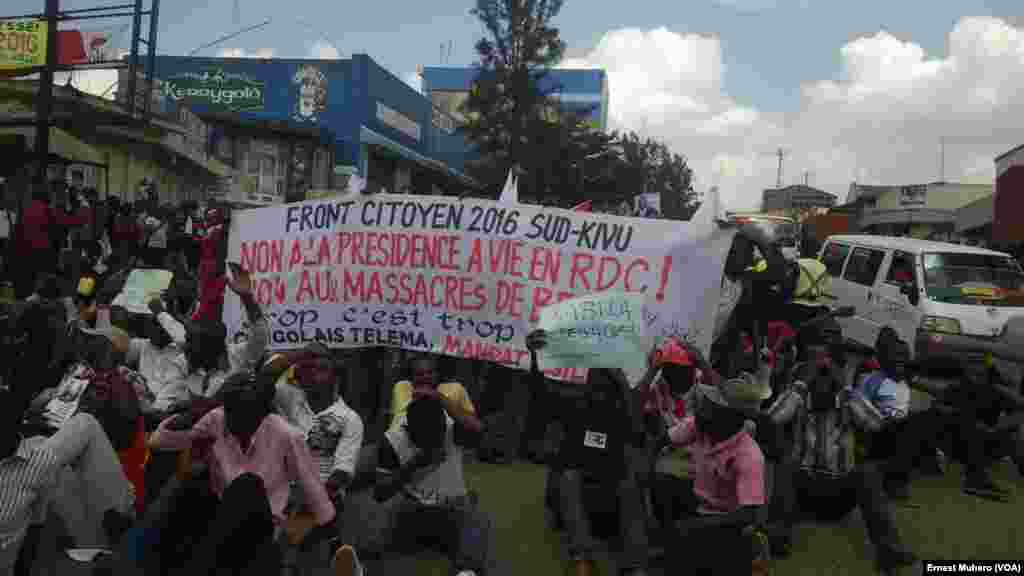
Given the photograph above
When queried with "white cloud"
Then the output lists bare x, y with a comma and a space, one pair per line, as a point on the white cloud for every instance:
243, 53
322, 50
750, 5
881, 122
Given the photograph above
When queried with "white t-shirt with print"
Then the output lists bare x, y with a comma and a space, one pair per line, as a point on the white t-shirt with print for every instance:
335, 435
336, 440
435, 485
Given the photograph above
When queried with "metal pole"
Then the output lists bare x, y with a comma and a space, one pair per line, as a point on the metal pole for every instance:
133, 64
45, 105
151, 60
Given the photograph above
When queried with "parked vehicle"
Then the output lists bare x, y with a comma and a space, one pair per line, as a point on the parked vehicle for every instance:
787, 230
927, 292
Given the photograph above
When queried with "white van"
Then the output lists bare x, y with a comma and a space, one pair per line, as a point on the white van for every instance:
922, 290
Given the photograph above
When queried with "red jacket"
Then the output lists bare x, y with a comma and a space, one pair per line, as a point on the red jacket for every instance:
35, 229
126, 231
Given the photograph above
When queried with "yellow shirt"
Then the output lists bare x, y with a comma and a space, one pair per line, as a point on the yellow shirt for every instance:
401, 396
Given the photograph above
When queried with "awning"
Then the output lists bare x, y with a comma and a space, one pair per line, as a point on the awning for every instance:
368, 136
976, 214
70, 149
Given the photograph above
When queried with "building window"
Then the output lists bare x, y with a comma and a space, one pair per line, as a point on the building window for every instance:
321, 170
264, 165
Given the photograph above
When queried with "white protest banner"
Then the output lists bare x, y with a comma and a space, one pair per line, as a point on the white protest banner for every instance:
604, 330
466, 278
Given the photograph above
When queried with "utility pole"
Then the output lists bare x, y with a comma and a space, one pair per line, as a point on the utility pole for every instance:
778, 177
942, 159
44, 107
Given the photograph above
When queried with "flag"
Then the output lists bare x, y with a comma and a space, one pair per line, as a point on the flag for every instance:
586, 206
510, 193
708, 213
356, 185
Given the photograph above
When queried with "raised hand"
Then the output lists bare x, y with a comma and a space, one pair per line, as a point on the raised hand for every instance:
240, 280
536, 340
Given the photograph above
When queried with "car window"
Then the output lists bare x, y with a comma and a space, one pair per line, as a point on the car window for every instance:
901, 270
833, 258
863, 266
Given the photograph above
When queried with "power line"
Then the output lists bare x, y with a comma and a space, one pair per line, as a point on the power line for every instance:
208, 45
231, 36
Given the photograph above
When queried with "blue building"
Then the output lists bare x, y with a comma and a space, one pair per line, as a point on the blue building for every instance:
583, 92
373, 123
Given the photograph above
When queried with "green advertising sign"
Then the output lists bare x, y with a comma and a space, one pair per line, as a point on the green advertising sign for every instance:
217, 89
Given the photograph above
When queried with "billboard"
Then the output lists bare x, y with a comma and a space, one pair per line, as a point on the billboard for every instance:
22, 44
916, 195
303, 92
213, 88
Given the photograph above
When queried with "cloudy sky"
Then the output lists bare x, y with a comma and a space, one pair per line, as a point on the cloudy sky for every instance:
851, 91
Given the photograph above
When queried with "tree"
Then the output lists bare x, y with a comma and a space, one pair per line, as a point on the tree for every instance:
650, 166
508, 110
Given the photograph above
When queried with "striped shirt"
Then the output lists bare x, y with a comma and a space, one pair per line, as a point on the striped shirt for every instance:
824, 440
24, 477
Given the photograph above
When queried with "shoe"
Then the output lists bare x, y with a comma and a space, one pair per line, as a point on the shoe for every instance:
890, 560
583, 568
346, 562
936, 467
899, 491
984, 487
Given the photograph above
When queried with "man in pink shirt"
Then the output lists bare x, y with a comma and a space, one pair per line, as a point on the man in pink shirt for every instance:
728, 487
237, 510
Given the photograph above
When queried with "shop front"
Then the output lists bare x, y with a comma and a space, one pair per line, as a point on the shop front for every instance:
330, 119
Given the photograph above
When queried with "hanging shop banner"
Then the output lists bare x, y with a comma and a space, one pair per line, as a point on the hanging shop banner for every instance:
465, 278
22, 44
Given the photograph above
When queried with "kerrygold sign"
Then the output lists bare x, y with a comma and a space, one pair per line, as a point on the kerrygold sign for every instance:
22, 44
217, 89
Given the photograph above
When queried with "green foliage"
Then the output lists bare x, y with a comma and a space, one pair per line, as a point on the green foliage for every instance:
512, 119
507, 111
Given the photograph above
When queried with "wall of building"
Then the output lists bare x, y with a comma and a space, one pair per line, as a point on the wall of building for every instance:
576, 90
944, 196
1008, 222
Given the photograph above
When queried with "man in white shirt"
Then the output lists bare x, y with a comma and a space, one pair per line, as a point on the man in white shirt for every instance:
421, 489
334, 433
197, 359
